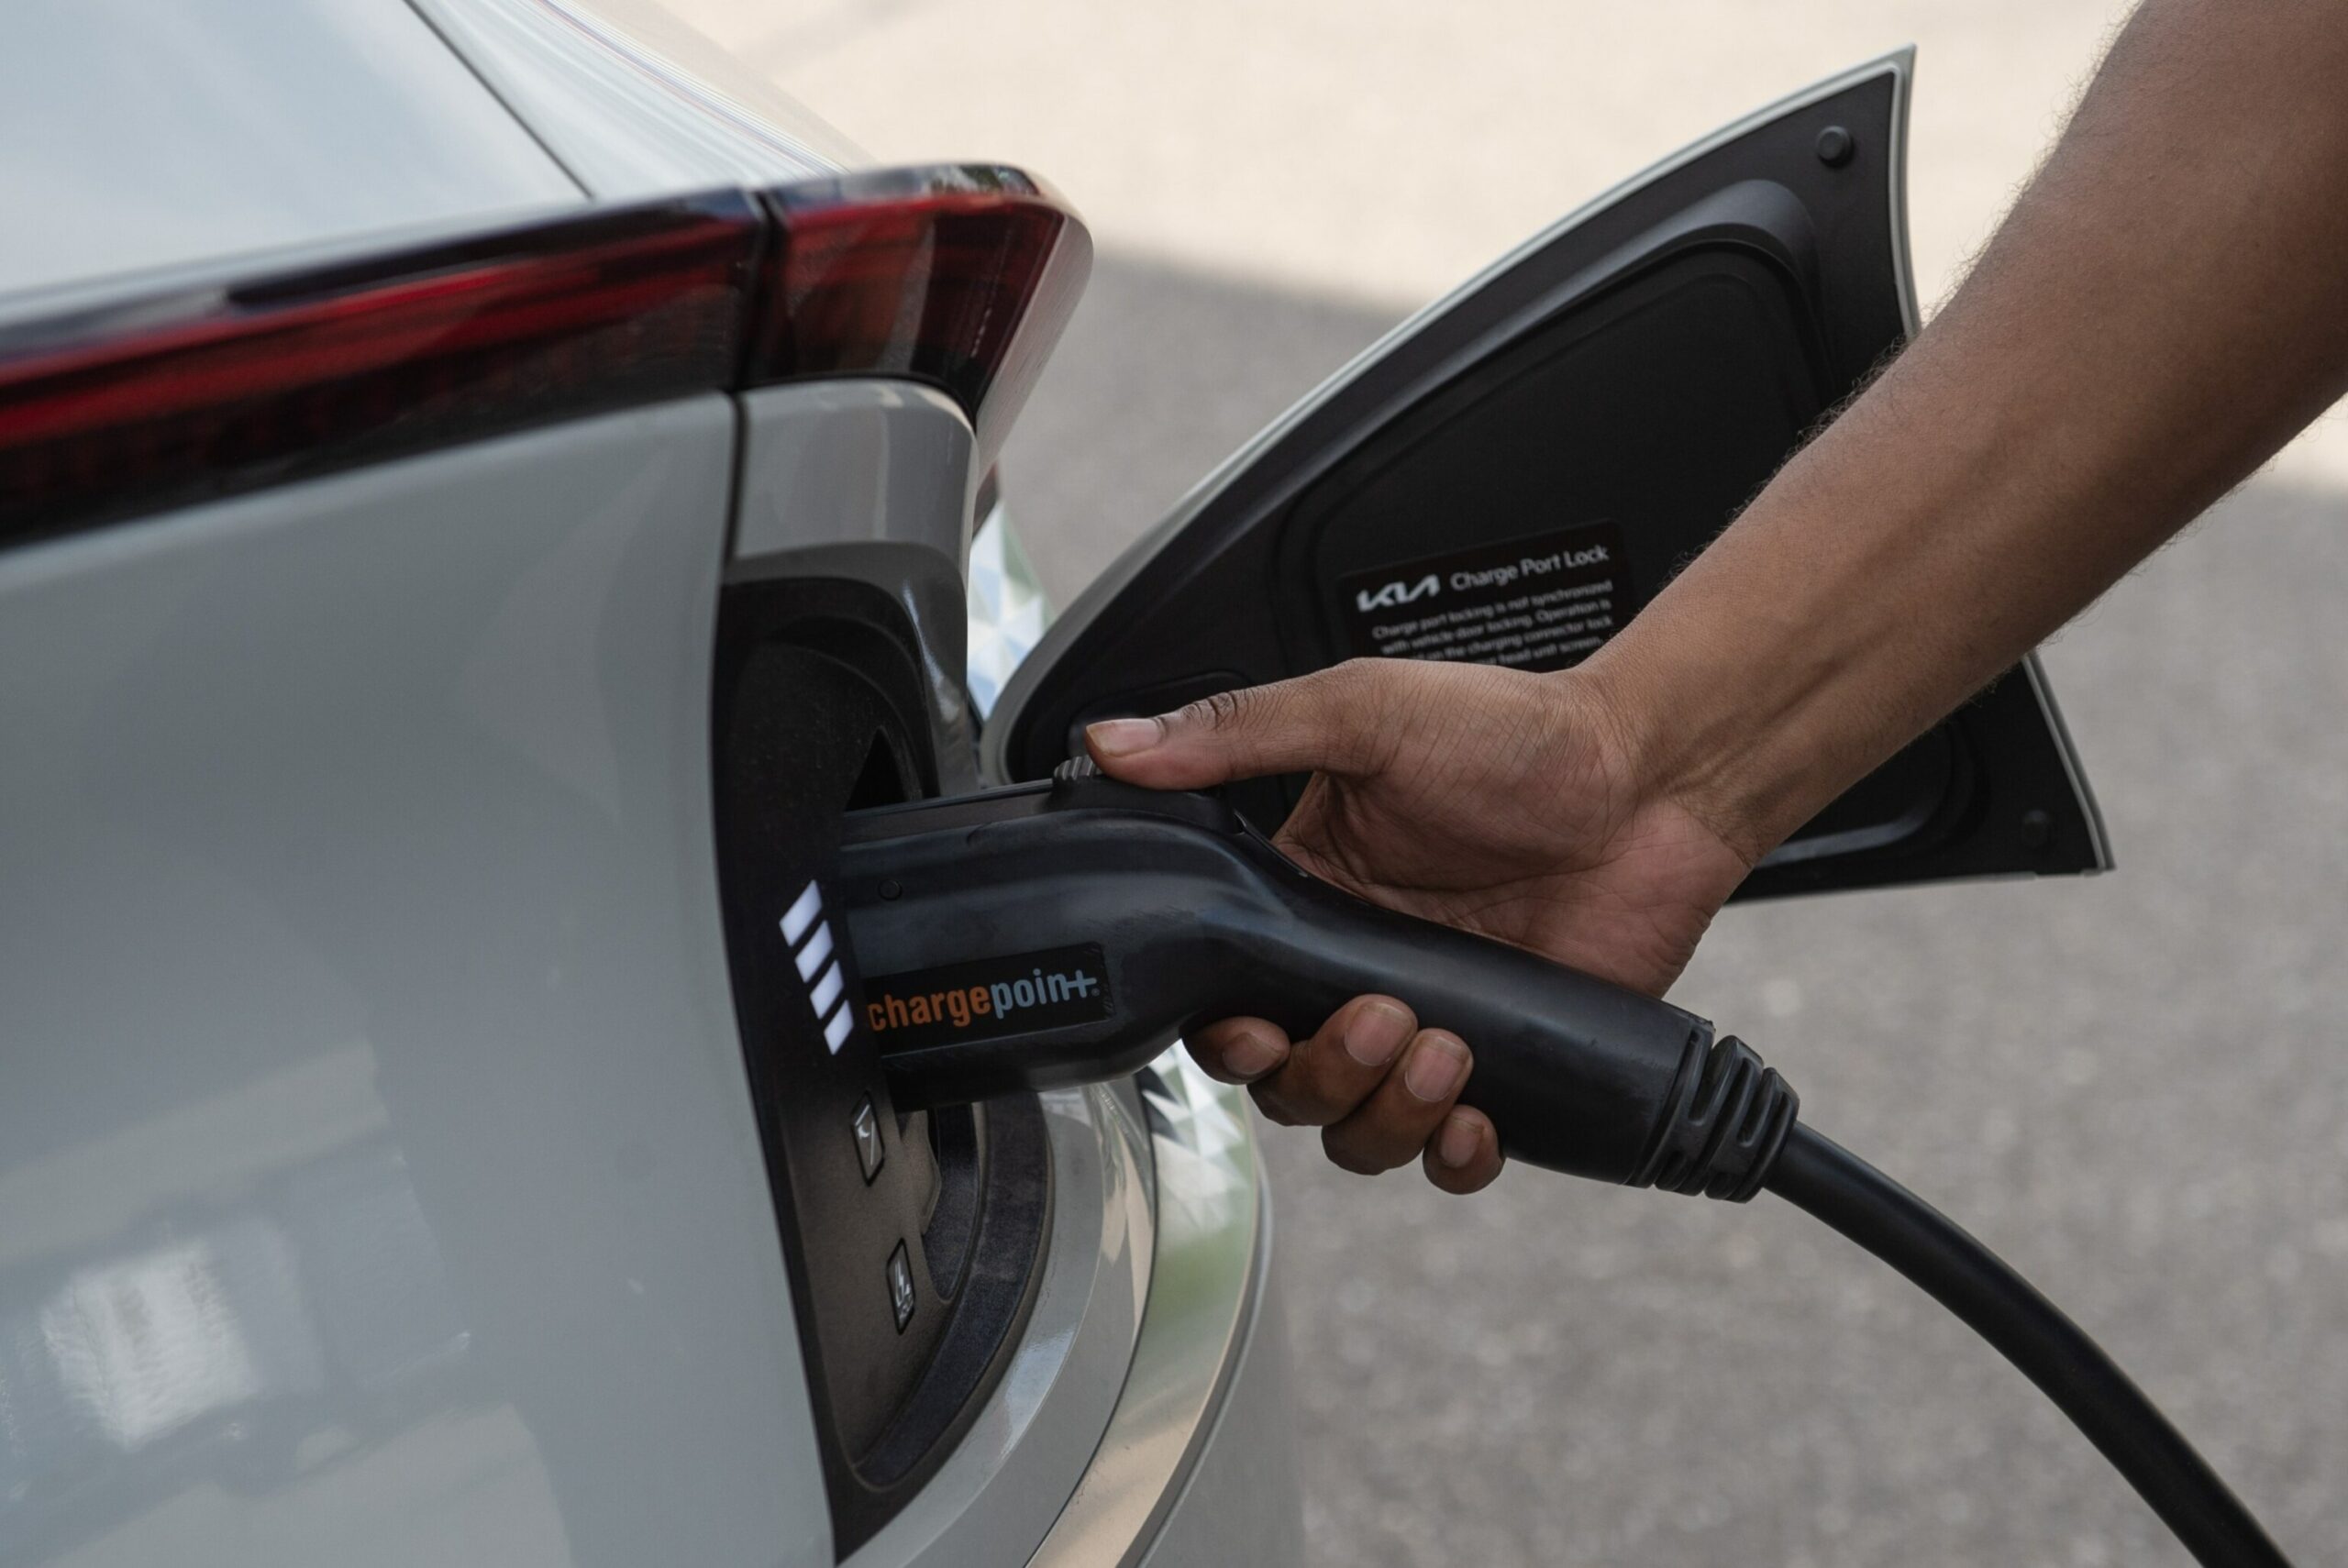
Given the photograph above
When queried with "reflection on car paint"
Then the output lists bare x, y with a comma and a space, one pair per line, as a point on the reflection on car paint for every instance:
238, 1339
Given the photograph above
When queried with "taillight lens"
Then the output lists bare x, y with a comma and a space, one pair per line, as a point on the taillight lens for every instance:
959, 276
211, 390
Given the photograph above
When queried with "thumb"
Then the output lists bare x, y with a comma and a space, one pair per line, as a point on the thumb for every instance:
1319, 722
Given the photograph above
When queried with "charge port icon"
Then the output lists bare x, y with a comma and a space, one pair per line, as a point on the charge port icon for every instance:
901, 1287
868, 1153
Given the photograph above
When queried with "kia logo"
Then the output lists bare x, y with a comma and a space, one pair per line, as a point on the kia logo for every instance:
1396, 592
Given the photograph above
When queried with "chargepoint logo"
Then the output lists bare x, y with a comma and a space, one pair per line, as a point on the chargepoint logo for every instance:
1022, 993
1398, 592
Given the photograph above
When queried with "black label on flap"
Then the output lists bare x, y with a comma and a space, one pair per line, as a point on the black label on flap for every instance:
1535, 604
1021, 993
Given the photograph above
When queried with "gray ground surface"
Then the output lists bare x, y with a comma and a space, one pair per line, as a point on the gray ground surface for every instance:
2133, 1086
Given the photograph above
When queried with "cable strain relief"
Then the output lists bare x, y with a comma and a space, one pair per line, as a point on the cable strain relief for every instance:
1727, 1121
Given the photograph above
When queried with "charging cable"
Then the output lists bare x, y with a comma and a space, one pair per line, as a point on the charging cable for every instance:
1064, 933
1829, 1183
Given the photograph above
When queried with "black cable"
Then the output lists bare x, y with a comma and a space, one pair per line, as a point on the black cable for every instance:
1210, 920
1815, 1174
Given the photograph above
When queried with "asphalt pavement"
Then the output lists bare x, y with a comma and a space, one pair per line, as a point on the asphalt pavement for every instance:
2135, 1087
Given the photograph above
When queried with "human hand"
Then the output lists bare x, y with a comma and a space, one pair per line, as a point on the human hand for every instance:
1515, 806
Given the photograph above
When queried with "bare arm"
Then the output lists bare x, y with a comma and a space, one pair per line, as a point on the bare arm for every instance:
2165, 306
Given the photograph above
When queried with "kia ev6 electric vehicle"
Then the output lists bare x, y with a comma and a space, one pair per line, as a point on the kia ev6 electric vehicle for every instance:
484, 489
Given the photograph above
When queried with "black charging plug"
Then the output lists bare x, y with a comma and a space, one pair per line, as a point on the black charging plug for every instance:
1066, 933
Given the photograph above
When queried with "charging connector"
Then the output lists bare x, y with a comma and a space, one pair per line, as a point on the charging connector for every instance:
1068, 932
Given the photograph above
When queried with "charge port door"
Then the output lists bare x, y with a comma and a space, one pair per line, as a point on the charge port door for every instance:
1509, 478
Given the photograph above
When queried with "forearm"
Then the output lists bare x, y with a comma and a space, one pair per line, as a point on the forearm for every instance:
2166, 304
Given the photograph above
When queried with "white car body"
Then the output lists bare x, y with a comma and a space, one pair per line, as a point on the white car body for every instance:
434, 1122
379, 1176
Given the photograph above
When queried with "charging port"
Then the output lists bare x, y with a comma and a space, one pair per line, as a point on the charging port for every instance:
911, 1238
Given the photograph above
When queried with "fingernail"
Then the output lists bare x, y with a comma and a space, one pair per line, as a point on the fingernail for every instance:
1123, 737
1376, 1032
1458, 1142
1435, 1068
1251, 1056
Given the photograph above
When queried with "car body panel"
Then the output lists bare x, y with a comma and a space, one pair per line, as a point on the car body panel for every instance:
871, 480
148, 136
1239, 1501
1207, 1389
633, 102
378, 1174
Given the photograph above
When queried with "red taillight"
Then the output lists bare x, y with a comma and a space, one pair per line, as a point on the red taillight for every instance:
959, 277
212, 391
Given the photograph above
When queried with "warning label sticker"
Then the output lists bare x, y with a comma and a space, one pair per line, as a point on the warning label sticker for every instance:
1536, 603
